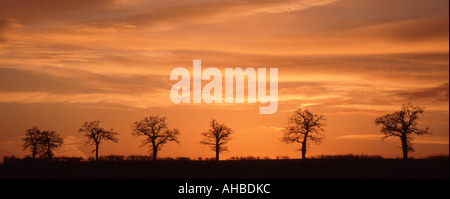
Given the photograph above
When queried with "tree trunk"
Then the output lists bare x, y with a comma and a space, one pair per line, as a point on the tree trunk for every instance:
405, 146
155, 150
217, 149
217, 154
49, 154
33, 155
155, 153
304, 145
96, 152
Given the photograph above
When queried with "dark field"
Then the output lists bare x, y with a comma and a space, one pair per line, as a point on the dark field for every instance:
237, 169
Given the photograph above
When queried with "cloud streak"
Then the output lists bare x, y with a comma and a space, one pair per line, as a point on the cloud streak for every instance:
379, 137
29, 11
100, 99
70, 148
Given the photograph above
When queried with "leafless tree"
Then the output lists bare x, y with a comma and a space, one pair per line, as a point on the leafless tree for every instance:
32, 141
217, 137
156, 131
304, 126
50, 141
97, 135
403, 124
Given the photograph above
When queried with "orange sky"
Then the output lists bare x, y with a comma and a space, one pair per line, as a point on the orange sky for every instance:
66, 62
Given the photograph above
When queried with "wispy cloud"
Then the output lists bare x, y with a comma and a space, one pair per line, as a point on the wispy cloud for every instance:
29, 11
276, 128
379, 137
70, 148
361, 137
11, 146
101, 99
434, 140
434, 94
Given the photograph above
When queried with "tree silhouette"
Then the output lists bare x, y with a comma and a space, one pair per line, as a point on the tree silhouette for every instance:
217, 137
50, 141
156, 131
32, 141
304, 125
403, 124
97, 135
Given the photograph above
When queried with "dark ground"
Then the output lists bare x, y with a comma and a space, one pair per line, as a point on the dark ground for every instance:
240, 169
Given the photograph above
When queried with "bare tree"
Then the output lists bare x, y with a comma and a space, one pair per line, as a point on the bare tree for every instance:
32, 141
304, 126
50, 141
217, 137
97, 135
156, 131
403, 124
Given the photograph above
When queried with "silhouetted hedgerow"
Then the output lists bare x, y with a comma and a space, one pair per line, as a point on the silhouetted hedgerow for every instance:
28, 159
139, 158
438, 157
249, 158
348, 156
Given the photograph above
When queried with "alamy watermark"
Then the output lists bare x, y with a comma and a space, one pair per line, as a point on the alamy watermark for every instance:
212, 92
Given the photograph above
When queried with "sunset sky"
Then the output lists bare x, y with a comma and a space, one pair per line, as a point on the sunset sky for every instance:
64, 62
